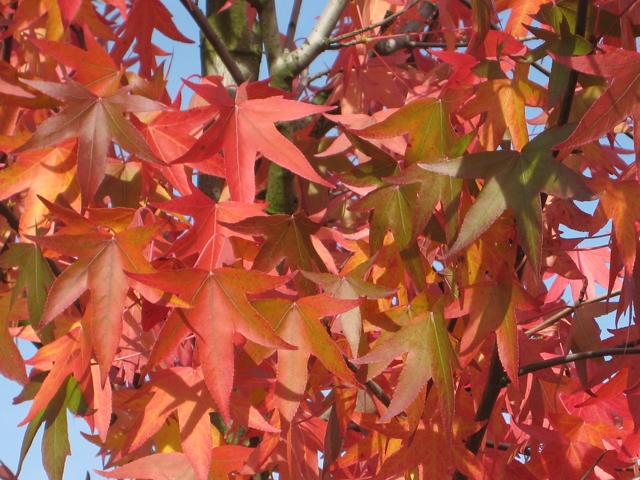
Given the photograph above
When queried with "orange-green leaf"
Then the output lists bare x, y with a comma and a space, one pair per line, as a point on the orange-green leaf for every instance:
11, 362
426, 121
34, 274
429, 355
515, 179
350, 287
102, 260
298, 322
286, 236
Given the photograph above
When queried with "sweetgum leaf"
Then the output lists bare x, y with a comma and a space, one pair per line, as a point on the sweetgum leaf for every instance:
392, 207
426, 121
286, 236
617, 103
298, 322
515, 179
430, 354
34, 274
161, 466
102, 259
221, 308
245, 126
96, 120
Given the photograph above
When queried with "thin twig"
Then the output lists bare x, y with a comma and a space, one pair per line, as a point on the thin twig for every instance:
295, 62
574, 357
588, 472
293, 24
412, 44
568, 310
372, 385
384, 21
212, 37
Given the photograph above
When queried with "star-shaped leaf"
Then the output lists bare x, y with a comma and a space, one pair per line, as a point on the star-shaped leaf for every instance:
430, 354
49, 173
182, 389
208, 227
427, 123
96, 120
244, 127
491, 307
615, 104
144, 17
392, 207
515, 179
94, 68
350, 287
220, 308
503, 101
298, 322
102, 258
286, 236
433, 188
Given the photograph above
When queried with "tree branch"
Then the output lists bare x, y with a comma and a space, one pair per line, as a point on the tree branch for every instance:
294, 62
376, 389
10, 216
569, 91
495, 384
566, 311
293, 24
574, 357
270, 32
201, 20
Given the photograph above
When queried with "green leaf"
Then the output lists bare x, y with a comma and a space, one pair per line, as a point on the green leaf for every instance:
426, 121
393, 210
34, 274
55, 445
515, 179
430, 355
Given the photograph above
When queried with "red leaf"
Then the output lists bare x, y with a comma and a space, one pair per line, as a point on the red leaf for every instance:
220, 309
96, 120
161, 466
245, 127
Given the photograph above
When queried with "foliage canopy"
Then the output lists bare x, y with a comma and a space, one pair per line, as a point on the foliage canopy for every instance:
385, 269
